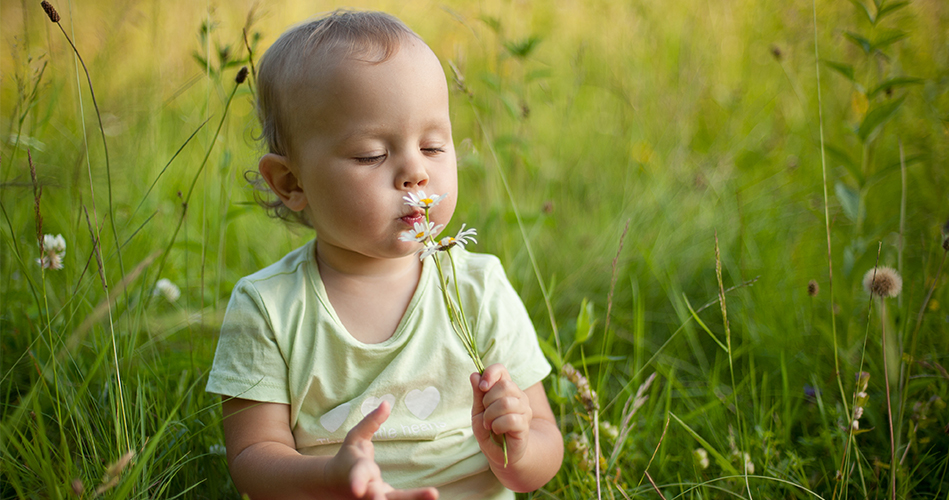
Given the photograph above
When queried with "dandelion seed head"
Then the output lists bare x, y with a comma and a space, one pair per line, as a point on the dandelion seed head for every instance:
168, 289
883, 282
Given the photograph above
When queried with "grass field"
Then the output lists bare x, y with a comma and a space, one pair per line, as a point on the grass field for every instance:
664, 182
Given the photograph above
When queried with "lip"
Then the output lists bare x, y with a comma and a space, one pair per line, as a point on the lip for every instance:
412, 218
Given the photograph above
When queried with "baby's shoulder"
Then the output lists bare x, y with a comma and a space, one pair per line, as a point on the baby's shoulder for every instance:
287, 276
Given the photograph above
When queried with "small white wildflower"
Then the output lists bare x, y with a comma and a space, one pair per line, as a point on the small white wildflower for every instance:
749, 465
422, 232
54, 243
422, 200
701, 458
54, 249
464, 237
855, 425
427, 251
609, 430
858, 412
165, 287
217, 449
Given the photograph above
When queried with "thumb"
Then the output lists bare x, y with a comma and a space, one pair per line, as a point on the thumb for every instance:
368, 426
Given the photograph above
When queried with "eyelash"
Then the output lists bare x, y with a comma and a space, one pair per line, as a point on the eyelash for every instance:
369, 160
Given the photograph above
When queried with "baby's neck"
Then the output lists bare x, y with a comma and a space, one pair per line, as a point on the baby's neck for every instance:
370, 300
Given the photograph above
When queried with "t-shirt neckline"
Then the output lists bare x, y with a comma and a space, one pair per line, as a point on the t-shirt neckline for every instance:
316, 281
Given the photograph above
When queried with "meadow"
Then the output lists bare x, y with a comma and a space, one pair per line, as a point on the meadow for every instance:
686, 195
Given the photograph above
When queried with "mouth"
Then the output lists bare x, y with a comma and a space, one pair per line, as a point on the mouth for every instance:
412, 218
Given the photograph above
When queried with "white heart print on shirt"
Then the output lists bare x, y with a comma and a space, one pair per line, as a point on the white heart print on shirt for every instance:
334, 418
422, 403
372, 402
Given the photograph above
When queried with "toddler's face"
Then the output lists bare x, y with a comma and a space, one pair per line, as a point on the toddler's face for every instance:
363, 137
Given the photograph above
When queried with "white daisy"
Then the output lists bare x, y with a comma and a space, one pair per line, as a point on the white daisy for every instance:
427, 251
422, 200
421, 232
464, 237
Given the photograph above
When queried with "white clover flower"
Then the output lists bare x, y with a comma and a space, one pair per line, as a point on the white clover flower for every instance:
54, 243
217, 449
54, 249
422, 232
422, 200
165, 287
701, 458
749, 465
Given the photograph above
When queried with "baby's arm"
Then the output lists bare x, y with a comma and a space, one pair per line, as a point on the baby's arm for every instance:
265, 464
534, 443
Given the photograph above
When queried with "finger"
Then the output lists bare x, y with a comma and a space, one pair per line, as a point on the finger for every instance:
368, 426
477, 400
491, 376
362, 477
504, 389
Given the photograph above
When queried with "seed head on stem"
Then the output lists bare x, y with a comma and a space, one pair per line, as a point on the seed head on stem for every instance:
883, 282
50, 11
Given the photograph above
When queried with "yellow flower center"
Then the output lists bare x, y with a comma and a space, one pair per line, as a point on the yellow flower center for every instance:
419, 236
427, 201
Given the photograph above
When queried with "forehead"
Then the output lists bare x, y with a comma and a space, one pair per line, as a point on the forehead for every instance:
352, 86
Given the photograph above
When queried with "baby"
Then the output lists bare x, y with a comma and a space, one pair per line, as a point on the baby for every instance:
340, 374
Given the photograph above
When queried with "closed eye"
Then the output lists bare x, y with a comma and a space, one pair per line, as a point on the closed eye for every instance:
433, 151
369, 160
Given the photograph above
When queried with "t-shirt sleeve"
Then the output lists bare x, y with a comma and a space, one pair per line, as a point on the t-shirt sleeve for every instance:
507, 333
248, 363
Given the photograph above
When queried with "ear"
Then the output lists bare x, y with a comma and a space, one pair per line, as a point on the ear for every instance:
275, 169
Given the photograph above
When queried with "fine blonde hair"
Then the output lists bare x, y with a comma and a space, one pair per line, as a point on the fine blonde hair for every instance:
371, 37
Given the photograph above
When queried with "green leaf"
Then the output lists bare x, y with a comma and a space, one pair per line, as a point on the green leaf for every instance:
884, 10
893, 83
719, 458
843, 69
862, 7
702, 324
849, 200
876, 118
493, 22
859, 41
585, 321
887, 39
522, 48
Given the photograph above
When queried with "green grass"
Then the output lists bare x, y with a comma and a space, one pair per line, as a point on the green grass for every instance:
682, 120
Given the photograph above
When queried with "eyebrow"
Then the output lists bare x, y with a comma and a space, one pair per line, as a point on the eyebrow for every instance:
372, 131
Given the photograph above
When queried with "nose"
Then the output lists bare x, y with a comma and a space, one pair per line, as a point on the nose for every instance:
412, 174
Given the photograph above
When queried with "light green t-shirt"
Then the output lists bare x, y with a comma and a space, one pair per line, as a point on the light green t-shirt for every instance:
282, 342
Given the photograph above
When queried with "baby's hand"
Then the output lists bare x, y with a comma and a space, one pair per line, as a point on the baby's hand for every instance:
500, 407
353, 471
